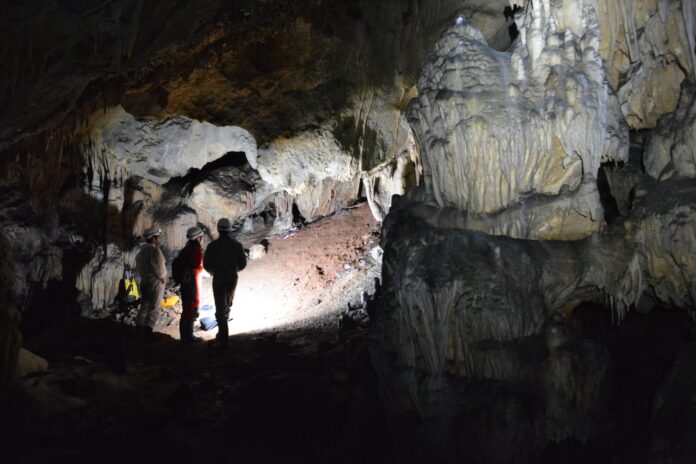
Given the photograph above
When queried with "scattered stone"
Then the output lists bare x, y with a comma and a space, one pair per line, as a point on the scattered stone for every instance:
257, 252
29, 363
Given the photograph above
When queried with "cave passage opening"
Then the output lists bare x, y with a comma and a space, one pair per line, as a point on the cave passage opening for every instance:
308, 277
308, 245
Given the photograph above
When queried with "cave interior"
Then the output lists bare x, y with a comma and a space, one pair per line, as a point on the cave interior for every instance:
470, 229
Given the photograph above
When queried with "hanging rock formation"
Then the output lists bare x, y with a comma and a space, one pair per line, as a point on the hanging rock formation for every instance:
160, 150
496, 127
126, 114
471, 324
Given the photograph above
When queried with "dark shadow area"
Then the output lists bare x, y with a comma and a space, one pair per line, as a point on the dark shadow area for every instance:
642, 351
55, 303
297, 218
283, 397
186, 184
611, 208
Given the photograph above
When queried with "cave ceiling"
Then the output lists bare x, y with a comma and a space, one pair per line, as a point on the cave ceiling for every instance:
271, 67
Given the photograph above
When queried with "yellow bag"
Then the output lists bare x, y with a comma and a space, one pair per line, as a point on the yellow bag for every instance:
169, 301
131, 287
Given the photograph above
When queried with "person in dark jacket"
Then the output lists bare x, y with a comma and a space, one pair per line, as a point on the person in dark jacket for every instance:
191, 286
223, 259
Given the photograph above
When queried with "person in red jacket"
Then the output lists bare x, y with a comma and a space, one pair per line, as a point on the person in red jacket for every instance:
191, 286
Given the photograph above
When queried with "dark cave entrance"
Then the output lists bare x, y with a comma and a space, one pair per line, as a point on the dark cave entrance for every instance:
611, 208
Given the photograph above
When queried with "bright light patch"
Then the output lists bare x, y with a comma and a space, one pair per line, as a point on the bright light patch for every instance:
254, 310
460, 20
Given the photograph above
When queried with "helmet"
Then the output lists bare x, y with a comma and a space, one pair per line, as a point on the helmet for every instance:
152, 232
194, 232
224, 225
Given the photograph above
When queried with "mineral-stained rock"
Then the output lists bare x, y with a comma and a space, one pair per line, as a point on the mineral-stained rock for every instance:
459, 309
494, 127
673, 143
461, 315
648, 50
99, 280
160, 150
394, 177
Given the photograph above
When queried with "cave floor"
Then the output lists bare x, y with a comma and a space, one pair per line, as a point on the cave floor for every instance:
307, 278
111, 394
296, 384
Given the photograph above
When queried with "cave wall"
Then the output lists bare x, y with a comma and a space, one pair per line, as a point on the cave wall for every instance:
10, 337
488, 264
316, 91
485, 262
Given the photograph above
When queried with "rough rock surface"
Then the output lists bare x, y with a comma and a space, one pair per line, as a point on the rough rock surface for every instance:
10, 337
460, 312
672, 144
475, 342
160, 150
30, 363
472, 328
648, 49
495, 126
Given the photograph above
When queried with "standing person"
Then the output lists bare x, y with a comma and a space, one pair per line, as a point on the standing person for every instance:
149, 263
191, 286
224, 257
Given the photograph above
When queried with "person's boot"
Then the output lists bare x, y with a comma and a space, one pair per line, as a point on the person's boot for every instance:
186, 332
223, 335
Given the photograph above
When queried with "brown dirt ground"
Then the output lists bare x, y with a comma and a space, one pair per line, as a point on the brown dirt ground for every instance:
288, 285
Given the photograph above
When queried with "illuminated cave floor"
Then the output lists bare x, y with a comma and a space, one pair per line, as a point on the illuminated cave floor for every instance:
296, 384
112, 395
307, 278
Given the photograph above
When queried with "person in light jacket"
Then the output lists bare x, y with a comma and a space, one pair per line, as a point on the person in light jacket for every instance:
150, 265
223, 259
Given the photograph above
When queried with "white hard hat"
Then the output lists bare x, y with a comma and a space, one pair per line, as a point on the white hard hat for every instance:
224, 225
152, 232
194, 232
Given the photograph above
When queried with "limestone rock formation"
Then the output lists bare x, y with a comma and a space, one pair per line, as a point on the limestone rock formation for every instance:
672, 145
313, 167
30, 363
674, 414
10, 337
160, 150
473, 327
495, 127
461, 311
648, 49
99, 280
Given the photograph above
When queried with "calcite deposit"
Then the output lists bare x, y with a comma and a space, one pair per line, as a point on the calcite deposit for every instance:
532, 164
495, 127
